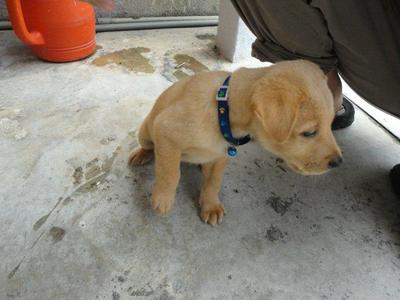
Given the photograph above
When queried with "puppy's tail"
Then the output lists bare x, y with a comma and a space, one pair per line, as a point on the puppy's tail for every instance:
140, 156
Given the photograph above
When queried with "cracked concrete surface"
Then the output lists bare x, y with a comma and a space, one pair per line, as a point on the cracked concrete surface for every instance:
76, 222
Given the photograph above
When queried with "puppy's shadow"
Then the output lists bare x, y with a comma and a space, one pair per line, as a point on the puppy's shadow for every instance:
190, 183
143, 179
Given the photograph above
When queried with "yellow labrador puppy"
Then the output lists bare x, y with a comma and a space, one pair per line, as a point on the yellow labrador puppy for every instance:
287, 108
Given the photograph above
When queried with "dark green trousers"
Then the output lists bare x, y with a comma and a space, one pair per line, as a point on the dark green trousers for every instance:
359, 38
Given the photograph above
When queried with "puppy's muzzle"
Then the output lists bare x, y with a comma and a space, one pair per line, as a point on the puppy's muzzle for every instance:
336, 162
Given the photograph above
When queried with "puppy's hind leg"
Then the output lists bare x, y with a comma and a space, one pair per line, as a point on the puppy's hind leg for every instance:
144, 153
140, 156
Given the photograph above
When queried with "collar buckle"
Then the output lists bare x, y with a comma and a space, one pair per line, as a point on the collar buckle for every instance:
222, 93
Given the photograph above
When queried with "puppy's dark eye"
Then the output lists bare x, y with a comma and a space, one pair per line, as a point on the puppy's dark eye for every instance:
309, 134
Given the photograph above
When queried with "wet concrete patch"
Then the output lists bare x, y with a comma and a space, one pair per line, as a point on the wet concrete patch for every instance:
10, 126
187, 65
179, 74
40, 222
92, 169
12, 273
107, 164
67, 201
78, 174
57, 233
43, 219
91, 185
107, 140
206, 36
12, 129
96, 173
10, 112
132, 59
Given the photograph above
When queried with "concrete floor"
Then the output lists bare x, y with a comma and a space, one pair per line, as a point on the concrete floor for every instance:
75, 221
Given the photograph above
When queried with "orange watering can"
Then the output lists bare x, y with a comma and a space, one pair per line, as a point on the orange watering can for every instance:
56, 30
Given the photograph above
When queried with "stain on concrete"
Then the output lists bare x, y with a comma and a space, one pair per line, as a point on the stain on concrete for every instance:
12, 129
107, 140
98, 47
278, 205
9, 126
258, 162
165, 295
295, 198
92, 163
274, 234
43, 219
315, 229
40, 222
91, 185
142, 292
12, 273
78, 174
356, 207
92, 171
115, 295
206, 36
188, 63
96, 173
253, 244
179, 74
57, 233
108, 163
10, 112
132, 59
282, 168
67, 200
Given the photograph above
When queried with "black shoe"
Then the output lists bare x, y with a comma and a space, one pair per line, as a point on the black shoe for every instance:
395, 178
346, 118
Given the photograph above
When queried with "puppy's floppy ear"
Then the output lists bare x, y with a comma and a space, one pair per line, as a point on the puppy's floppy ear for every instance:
276, 102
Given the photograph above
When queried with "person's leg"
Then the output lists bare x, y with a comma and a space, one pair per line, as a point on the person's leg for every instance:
366, 42
366, 39
335, 85
395, 178
343, 107
288, 30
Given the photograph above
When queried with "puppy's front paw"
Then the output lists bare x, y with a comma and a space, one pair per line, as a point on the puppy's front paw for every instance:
161, 204
212, 213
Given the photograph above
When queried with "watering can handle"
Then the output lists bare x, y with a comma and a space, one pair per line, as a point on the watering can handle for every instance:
19, 26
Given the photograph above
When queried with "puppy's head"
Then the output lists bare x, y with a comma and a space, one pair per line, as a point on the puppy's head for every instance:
293, 110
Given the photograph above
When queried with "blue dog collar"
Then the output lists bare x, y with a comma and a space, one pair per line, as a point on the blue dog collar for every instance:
223, 117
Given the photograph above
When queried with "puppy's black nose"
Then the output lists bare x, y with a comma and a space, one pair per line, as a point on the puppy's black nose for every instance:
335, 162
